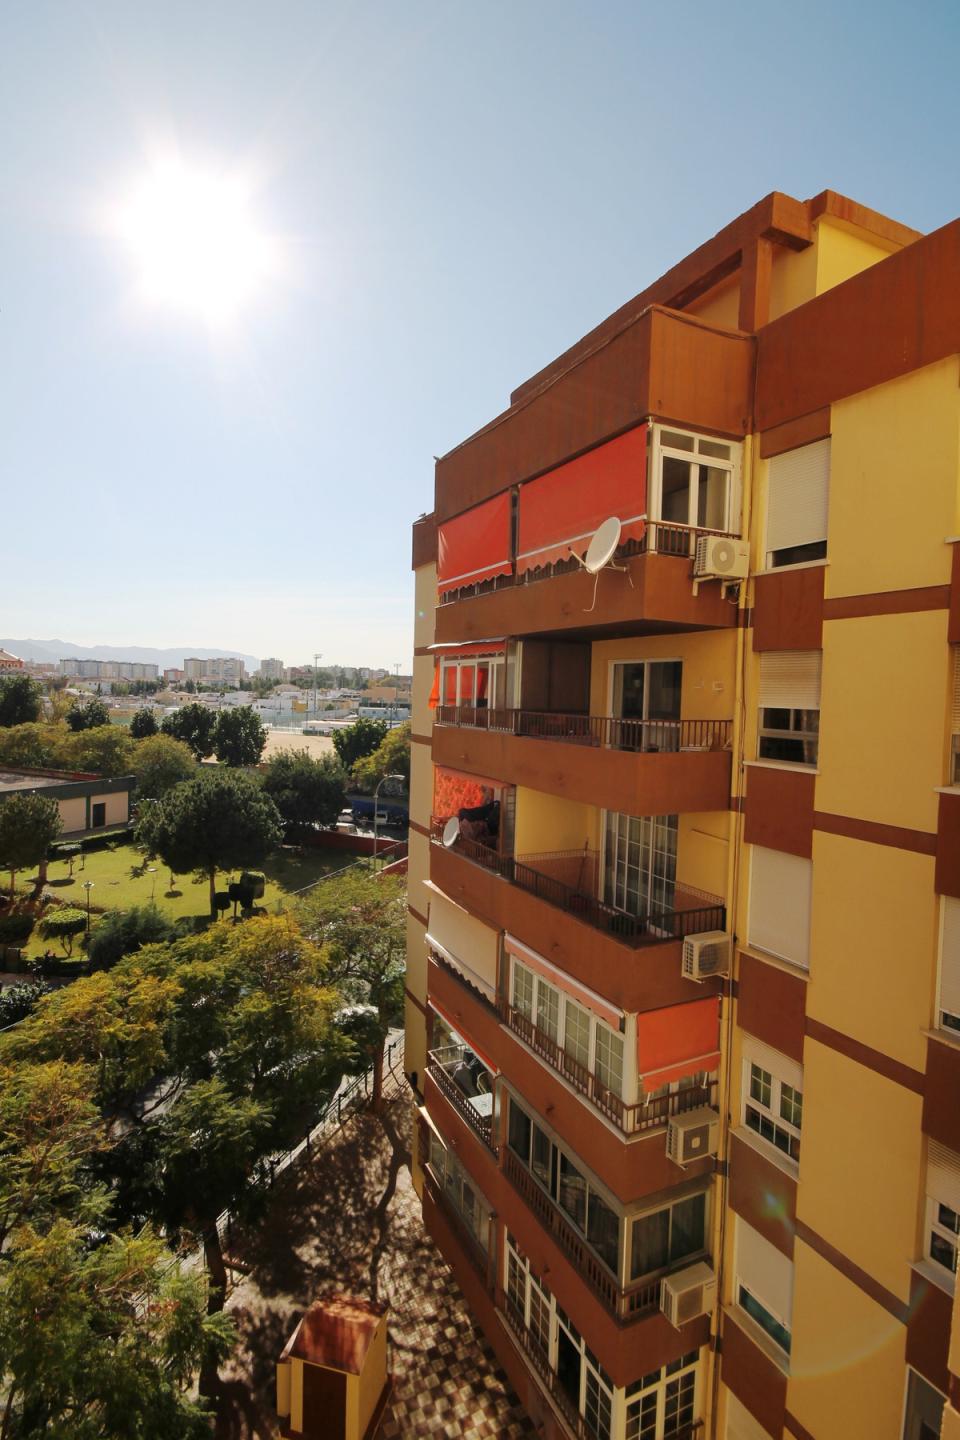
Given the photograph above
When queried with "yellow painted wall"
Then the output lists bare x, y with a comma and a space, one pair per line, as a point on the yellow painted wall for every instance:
720, 306
883, 703
702, 851
860, 1166
283, 1387
296, 1395
425, 602
353, 1431
421, 784
708, 661
793, 279
118, 806
373, 1378
73, 813
420, 713
547, 822
844, 250
847, 1364
894, 493
873, 944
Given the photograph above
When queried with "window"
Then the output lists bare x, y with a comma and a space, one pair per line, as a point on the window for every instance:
460, 1190
566, 1184
942, 1228
664, 1237
772, 1096
924, 1409
797, 502
790, 706
640, 862
779, 913
646, 699
474, 682
98, 814
586, 1040
576, 1370
694, 480
764, 1285
663, 1403
948, 1006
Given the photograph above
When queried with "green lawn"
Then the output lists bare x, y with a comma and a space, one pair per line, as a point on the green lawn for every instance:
118, 884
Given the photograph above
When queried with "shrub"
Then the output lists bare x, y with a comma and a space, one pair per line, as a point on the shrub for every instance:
19, 1000
63, 925
15, 929
121, 932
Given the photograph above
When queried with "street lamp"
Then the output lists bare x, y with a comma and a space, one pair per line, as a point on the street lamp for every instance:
318, 656
376, 810
88, 886
152, 870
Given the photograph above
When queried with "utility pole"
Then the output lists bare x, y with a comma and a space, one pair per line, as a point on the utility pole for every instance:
318, 656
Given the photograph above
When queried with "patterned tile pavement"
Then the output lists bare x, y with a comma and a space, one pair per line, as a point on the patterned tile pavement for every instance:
350, 1221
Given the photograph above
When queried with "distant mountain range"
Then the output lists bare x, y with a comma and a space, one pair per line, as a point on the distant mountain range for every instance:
48, 652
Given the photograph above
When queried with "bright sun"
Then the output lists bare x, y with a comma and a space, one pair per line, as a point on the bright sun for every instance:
195, 244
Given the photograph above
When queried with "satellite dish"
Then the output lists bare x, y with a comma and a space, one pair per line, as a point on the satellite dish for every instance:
451, 831
601, 549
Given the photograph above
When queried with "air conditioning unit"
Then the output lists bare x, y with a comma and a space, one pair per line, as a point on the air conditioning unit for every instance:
706, 955
688, 1293
719, 556
693, 1135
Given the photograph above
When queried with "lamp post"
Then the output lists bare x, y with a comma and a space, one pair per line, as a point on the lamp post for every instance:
152, 870
318, 656
88, 886
376, 811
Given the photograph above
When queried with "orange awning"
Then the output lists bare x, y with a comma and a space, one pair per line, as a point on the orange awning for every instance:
474, 546
560, 511
677, 1041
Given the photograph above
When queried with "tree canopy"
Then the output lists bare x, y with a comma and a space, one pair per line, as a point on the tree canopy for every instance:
391, 757
359, 739
29, 825
239, 736
87, 715
144, 723
219, 820
122, 932
104, 749
159, 762
194, 725
306, 790
20, 699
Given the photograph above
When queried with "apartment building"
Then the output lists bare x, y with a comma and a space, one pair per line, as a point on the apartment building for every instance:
108, 670
271, 669
215, 670
683, 993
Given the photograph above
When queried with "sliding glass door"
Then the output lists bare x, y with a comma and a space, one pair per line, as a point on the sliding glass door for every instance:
640, 862
646, 698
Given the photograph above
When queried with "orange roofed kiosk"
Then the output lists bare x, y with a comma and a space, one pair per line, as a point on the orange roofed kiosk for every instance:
332, 1377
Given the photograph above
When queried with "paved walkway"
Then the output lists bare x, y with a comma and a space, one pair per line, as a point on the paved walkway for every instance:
350, 1221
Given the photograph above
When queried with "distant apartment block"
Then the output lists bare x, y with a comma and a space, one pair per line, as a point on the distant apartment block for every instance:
683, 981
108, 670
271, 669
219, 670
173, 675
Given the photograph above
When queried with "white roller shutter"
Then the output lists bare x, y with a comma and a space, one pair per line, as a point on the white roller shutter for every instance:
797, 497
790, 679
779, 915
767, 1273
787, 1071
943, 1175
464, 942
950, 959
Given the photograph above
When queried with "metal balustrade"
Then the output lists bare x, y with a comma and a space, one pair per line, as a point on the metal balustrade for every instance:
469, 1243
600, 731
541, 1364
651, 927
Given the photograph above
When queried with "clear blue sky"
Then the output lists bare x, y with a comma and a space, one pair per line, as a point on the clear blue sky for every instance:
460, 191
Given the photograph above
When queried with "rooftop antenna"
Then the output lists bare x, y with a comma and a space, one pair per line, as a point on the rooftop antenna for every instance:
600, 553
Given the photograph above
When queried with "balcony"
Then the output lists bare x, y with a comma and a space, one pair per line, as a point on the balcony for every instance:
562, 878
469, 1243
640, 767
456, 1073
633, 1119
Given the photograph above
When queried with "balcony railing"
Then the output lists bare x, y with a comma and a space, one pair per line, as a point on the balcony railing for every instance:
607, 731
541, 1364
653, 926
625, 1305
469, 1243
631, 1119
476, 1110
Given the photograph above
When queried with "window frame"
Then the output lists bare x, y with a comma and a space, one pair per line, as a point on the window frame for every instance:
657, 1384
452, 1177
808, 739
773, 1110
947, 901
651, 834
694, 456
934, 1227
771, 563
596, 1025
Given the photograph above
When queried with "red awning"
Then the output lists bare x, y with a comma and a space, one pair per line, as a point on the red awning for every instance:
560, 511
475, 546
677, 1041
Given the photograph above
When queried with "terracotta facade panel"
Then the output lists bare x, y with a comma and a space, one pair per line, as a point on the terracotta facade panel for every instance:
757, 1382
941, 1093
788, 610
779, 810
772, 1004
763, 1194
803, 431
953, 623
947, 874
928, 1331
424, 542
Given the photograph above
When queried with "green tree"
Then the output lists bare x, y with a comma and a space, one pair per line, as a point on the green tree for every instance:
29, 825
391, 757
143, 724
20, 699
361, 920
30, 744
105, 1342
194, 725
63, 924
87, 715
20, 1000
220, 820
104, 750
160, 762
359, 739
238, 736
306, 790
123, 932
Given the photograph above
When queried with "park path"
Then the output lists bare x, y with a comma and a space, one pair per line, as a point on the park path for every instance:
349, 1220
